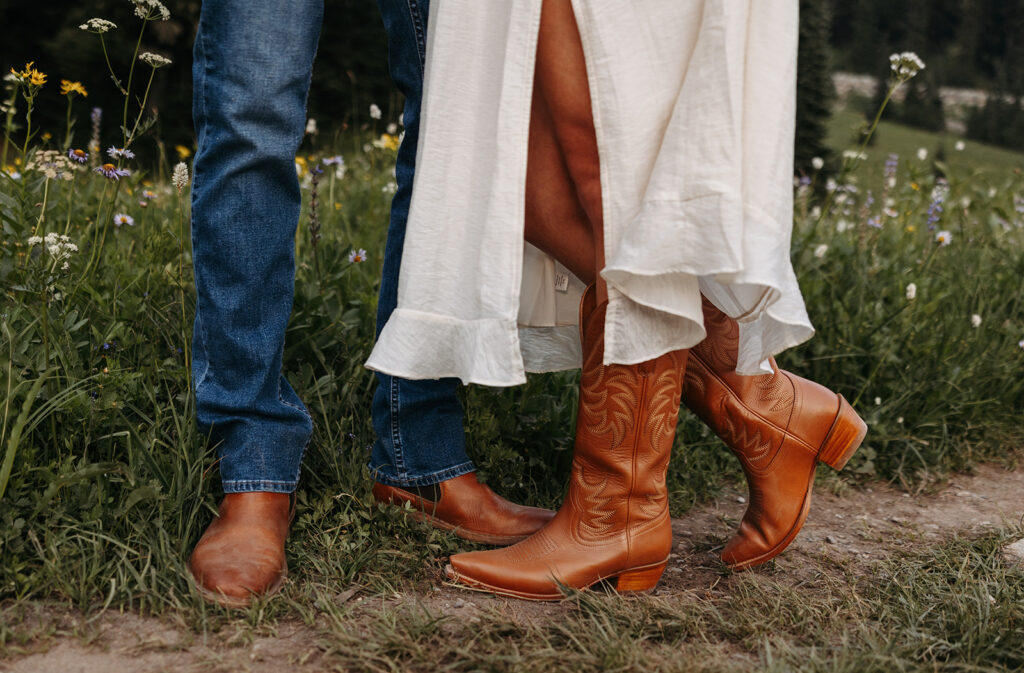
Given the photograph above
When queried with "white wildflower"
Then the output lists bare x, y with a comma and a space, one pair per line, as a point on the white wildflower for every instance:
35, 240
960, 146
392, 128
154, 60
816, 212
842, 225
150, 10
820, 251
878, 401
854, 155
98, 26
905, 65
911, 291
943, 237
180, 176
922, 154
818, 163
975, 320
311, 129
357, 256
375, 112
900, 420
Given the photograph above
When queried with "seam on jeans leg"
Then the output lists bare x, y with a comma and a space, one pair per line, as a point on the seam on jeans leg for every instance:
416, 17
396, 435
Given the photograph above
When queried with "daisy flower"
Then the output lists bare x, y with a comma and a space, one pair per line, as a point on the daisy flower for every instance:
357, 256
124, 218
119, 153
78, 156
112, 172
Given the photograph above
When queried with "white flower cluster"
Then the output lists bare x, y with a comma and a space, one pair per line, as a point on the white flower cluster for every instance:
98, 26
154, 60
151, 10
375, 112
59, 246
180, 176
905, 65
53, 164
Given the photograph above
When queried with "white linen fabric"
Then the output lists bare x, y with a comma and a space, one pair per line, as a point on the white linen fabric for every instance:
694, 107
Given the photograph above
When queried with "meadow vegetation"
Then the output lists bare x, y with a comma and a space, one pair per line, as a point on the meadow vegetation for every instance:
910, 266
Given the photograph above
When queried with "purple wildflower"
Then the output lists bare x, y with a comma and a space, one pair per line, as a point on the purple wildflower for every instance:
875, 222
78, 156
120, 153
113, 172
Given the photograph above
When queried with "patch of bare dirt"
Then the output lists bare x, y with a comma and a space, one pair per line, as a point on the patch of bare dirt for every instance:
851, 531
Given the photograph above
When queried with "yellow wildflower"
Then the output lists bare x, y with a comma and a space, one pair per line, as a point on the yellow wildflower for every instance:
183, 152
30, 75
67, 87
47, 136
911, 228
916, 187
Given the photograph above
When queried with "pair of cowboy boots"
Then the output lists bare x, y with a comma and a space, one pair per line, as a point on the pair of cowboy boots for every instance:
614, 524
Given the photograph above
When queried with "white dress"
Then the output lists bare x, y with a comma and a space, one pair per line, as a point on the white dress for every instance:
693, 104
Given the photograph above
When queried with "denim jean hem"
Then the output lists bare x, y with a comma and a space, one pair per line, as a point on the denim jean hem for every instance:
423, 480
260, 485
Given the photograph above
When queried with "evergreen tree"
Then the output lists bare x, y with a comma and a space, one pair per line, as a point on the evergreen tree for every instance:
815, 90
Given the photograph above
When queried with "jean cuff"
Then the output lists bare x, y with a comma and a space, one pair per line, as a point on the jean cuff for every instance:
423, 480
260, 485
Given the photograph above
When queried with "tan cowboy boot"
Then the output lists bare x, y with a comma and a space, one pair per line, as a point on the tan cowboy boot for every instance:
614, 523
241, 554
779, 425
468, 508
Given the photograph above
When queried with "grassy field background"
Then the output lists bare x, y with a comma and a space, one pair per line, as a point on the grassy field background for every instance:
911, 272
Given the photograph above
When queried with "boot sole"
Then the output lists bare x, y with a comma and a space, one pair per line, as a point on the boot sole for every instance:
642, 579
842, 441
234, 602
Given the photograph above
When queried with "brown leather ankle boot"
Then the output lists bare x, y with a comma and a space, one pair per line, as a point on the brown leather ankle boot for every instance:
614, 523
469, 509
241, 554
779, 425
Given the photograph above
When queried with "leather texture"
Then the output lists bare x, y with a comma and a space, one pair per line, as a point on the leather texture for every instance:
779, 425
241, 554
471, 510
614, 523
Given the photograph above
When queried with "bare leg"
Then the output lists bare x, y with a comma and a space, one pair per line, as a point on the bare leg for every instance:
562, 93
555, 220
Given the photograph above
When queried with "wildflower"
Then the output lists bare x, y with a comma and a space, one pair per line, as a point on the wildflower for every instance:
960, 146
831, 185
30, 76
854, 155
1021, 344
875, 222
336, 160
900, 420
154, 60
935, 208
35, 240
922, 154
59, 246
311, 129
911, 291
878, 401
905, 65
124, 218
386, 142
392, 128
98, 26
820, 251
53, 164
67, 87
150, 10
183, 152
148, 194
357, 256
119, 153
890, 212
975, 320
78, 156
374, 111
944, 237
180, 176
113, 172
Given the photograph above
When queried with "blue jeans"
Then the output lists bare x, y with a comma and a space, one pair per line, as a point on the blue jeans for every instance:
249, 107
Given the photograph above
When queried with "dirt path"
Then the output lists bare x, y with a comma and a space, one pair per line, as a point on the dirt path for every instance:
851, 531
